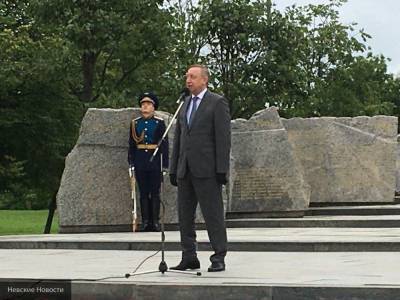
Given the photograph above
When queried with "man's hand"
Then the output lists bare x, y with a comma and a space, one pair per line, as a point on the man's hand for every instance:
221, 178
172, 179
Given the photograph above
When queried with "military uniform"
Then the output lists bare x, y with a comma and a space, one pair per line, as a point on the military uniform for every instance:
144, 136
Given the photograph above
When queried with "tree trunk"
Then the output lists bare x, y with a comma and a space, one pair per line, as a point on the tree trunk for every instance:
88, 65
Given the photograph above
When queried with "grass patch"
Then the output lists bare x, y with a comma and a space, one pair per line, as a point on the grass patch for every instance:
25, 222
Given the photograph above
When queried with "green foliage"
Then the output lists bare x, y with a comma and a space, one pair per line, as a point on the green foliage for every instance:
362, 88
291, 60
235, 36
39, 118
11, 173
110, 42
59, 57
322, 46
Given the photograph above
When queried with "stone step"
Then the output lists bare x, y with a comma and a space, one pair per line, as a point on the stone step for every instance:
369, 210
335, 216
232, 290
385, 221
240, 239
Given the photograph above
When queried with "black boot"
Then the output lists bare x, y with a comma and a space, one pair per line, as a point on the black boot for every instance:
156, 226
145, 226
145, 214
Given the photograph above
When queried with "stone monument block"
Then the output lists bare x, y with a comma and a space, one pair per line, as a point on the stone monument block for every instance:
266, 177
346, 159
277, 167
398, 166
94, 194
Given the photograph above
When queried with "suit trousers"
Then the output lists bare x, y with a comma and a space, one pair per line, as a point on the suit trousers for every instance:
208, 193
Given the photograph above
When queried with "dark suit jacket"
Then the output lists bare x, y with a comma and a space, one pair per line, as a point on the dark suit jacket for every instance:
205, 146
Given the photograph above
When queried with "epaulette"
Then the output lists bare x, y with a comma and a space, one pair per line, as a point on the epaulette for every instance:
158, 118
136, 138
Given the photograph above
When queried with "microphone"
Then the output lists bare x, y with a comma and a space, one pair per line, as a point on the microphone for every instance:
184, 93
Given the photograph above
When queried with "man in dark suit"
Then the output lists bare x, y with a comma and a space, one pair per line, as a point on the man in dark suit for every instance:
199, 167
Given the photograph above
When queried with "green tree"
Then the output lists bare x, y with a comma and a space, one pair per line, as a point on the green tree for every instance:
234, 32
39, 119
110, 43
361, 88
291, 60
322, 45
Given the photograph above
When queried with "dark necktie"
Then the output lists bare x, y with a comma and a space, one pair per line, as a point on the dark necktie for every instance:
194, 108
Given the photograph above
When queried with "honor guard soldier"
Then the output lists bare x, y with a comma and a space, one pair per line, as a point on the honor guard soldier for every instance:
145, 133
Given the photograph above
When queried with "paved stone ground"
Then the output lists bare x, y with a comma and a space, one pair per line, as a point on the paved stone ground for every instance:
273, 268
278, 275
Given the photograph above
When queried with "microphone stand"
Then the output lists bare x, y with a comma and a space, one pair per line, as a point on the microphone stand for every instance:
163, 267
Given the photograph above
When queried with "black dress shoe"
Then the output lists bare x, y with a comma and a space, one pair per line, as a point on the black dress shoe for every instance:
185, 264
217, 266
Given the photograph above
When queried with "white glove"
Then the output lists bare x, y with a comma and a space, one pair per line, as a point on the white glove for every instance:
131, 171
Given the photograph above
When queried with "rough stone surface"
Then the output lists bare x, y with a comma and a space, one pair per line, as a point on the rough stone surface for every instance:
94, 189
346, 159
398, 166
94, 193
266, 176
277, 165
